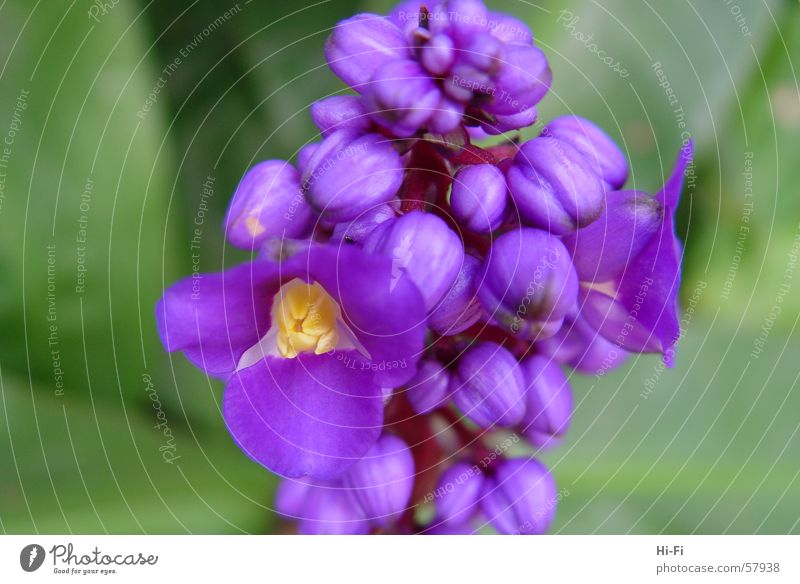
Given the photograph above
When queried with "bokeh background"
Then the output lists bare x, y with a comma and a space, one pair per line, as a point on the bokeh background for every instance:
107, 148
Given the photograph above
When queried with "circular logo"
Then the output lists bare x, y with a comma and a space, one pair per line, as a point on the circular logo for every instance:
31, 557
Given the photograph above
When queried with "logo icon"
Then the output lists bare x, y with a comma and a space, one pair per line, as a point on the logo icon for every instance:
31, 557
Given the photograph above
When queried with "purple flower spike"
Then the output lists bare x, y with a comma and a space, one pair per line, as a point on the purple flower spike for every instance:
528, 284
359, 45
402, 97
521, 497
422, 248
460, 309
340, 111
636, 305
430, 387
596, 146
382, 481
350, 173
555, 187
478, 198
579, 345
267, 203
489, 387
549, 401
457, 493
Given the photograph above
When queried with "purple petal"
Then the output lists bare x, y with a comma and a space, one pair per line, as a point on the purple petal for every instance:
308, 416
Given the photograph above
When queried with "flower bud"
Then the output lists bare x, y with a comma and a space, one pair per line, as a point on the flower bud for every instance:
358, 229
579, 345
438, 54
520, 498
340, 111
359, 45
350, 173
460, 309
548, 401
602, 153
509, 29
527, 283
304, 156
423, 248
521, 82
382, 481
554, 187
267, 203
430, 387
457, 493
508, 123
460, 19
489, 387
478, 197
402, 97
331, 510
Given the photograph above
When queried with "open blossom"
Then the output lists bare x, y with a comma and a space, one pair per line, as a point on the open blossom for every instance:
416, 303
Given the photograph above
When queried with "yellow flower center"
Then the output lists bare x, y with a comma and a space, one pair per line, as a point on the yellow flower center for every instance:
305, 316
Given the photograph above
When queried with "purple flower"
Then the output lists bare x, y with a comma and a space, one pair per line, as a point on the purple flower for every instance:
351, 172
489, 387
629, 267
268, 203
430, 387
520, 498
528, 284
460, 309
554, 187
457, 493
548, 401
423, 249
382, 481
305, 346
599, 150
357, 230
478, 198
338, 112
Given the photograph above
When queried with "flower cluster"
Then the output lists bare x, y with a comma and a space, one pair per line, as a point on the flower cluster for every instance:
398, 347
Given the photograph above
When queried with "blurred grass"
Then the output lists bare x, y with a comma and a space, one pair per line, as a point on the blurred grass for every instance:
712, 449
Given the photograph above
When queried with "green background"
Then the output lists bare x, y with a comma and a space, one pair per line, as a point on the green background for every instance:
710, 446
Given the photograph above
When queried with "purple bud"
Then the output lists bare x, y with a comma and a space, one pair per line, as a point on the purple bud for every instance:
489, 386
447, 117
597, 147
549, 401
350, 173
438, 54
528, 284
406, 15
457, 493
579, 345
382, 481
460, 19
423, 248
267, 203
478, 198
402, 97
511, 122
359, 45
520, 498
602, 250
460, 309
356, 231
484, 52
304, 156
430, 387
340, 111
521, 82
331, 510
509, 29
554, 187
